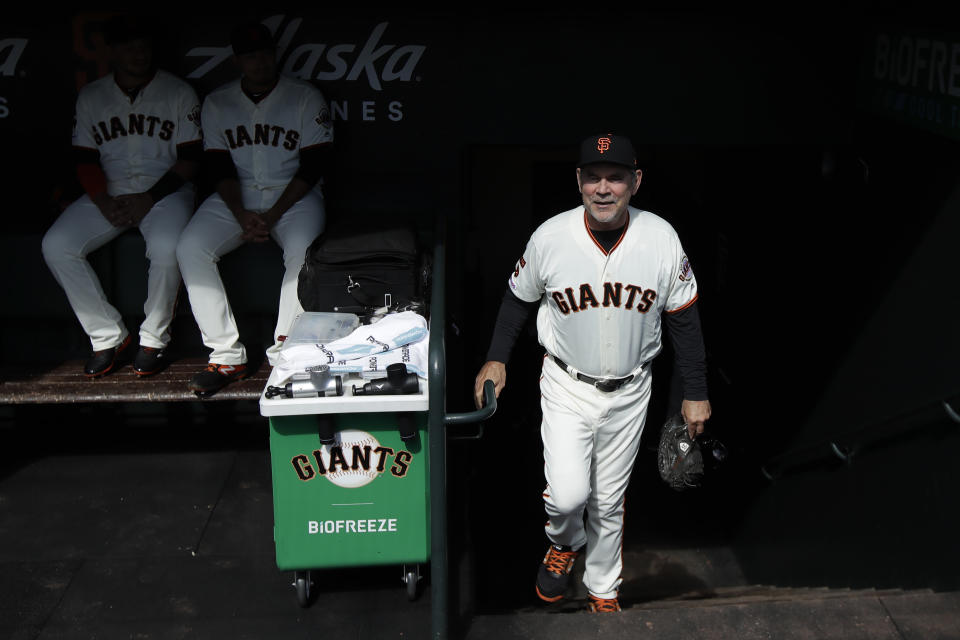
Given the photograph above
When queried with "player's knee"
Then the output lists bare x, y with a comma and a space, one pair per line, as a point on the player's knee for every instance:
293, 261
55, 246
163, 251
190, 251
570, 500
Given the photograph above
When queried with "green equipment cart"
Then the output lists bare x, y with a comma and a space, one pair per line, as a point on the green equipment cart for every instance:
376, 493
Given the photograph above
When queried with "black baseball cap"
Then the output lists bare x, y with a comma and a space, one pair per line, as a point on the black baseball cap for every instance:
250, 37
124, 28
607, 148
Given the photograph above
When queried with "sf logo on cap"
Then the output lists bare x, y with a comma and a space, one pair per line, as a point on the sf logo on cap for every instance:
603, 144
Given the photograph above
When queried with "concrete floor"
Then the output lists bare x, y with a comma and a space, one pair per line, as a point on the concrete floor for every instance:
120, 522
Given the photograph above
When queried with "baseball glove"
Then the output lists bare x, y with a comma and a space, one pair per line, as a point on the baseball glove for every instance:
679, 458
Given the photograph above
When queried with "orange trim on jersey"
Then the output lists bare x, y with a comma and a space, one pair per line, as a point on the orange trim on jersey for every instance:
686, 305
586, 224
92, 179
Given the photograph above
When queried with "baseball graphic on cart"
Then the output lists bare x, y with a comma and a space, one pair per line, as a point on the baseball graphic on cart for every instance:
358, 464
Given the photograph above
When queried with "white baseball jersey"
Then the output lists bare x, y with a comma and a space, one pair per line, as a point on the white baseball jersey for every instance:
601, 311
137, 139
264, 138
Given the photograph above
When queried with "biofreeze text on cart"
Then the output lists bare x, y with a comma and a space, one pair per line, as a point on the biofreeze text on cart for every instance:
371, 525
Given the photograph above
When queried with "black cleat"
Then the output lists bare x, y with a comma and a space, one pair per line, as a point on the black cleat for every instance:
148, 361
215, 377
103, 362
553, 577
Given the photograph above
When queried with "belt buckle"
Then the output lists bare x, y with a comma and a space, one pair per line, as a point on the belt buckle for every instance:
606, 386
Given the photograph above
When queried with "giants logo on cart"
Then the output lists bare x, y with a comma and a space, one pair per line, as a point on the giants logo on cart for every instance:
355, 459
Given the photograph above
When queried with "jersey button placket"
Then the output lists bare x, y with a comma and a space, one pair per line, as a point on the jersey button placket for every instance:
607, 355
257, 164
136, 161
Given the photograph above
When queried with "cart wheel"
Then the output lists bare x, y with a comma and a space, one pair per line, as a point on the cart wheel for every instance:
302, 583
411, 577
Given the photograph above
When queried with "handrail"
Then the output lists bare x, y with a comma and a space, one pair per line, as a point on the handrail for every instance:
831, 447
488, 409
951, 411
437, 421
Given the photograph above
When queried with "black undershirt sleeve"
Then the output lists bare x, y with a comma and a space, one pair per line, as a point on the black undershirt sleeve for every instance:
167, 184
219, 166
171, 180
686, 336
511, 318
83, 155
192, 151
314, 163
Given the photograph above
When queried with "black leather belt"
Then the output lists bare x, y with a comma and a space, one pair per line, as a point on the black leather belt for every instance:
605, 384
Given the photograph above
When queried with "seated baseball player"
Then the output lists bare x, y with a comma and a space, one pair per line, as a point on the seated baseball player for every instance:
600, 277
137, 144
267, 140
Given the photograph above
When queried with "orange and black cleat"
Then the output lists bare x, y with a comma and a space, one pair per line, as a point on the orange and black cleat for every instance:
148, 361
102, 362
603, 605
553, 577
215, 377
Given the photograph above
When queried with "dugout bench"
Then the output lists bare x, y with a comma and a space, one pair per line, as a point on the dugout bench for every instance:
32, 377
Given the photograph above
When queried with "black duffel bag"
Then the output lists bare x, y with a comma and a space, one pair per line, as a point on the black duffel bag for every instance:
359, 270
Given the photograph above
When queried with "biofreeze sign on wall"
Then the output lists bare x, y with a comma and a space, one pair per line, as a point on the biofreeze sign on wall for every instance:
913, 77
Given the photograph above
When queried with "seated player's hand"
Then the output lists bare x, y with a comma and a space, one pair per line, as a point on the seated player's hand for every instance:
114, 210
137, 206
254, 228
270, 218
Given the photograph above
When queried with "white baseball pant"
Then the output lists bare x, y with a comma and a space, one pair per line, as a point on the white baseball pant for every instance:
590, 442
213, 232
81, 229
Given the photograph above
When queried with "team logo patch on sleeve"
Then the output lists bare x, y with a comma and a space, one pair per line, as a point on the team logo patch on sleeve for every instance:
686, 272
323, 118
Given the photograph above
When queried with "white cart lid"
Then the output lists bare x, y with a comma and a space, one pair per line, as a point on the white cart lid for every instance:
347, 403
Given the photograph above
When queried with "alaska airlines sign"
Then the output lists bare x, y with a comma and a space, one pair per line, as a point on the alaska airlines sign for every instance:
373, 62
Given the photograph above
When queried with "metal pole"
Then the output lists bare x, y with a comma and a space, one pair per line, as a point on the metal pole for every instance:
438, 442
437, 421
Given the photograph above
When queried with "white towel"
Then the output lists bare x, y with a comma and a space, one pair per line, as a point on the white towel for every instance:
375, 366
369, 348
